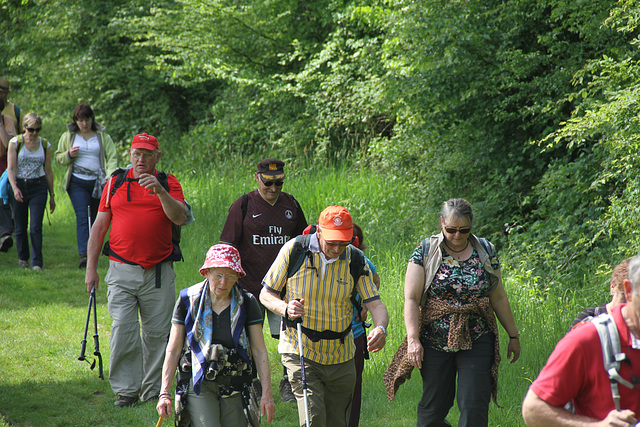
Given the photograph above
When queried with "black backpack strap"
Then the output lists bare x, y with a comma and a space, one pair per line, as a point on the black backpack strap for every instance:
244, 205
316, 336
356, 268
163, 179
16, 110
299, 251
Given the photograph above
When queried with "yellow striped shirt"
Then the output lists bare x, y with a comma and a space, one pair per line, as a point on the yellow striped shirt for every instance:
326, 290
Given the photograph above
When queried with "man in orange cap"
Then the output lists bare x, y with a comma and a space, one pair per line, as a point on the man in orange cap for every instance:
141, 213
318, 294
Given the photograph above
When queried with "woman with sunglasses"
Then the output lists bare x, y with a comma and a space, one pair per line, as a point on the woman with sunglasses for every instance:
31, 177
453, 294
90, 155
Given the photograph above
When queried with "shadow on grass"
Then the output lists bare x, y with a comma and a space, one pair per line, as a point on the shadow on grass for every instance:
83, 402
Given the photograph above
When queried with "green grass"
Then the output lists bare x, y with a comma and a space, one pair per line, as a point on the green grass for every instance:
42, 315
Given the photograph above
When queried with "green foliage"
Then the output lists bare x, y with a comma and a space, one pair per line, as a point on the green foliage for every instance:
528, 109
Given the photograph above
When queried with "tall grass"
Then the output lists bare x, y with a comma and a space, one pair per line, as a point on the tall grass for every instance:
42, 315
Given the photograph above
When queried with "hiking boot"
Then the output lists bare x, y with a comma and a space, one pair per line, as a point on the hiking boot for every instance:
36, 268
5, 243
286, 394
23, 263
83, 261
125, 401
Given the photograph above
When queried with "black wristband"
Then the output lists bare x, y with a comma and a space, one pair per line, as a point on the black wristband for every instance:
517, 337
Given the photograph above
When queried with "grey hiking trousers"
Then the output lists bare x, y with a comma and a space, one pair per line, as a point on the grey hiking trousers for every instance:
141, 316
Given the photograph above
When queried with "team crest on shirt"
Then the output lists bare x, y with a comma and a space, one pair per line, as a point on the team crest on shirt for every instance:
288, 214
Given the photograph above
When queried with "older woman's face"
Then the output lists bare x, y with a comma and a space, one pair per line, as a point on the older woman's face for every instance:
221, 280
456, 229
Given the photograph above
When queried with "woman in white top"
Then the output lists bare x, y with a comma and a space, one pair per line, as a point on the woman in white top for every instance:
31, 176
90, 155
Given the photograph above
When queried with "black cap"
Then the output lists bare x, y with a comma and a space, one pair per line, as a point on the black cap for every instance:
271, 168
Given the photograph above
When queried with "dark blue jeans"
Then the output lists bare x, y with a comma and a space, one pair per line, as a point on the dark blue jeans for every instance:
439, 370
6, 220
80, 191
29, 214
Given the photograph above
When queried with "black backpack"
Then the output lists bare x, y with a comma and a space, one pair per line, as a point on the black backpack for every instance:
121, 177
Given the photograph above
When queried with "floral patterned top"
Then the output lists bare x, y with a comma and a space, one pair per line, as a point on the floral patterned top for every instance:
456, 283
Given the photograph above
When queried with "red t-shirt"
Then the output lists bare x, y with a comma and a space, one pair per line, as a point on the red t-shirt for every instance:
575, 371
261, 234
140, 230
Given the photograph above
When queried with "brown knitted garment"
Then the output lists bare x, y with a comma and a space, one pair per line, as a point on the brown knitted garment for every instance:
459, 338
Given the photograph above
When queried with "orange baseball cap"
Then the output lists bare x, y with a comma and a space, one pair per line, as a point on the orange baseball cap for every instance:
335, 223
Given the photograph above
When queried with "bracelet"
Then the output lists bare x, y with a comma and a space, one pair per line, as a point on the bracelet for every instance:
517, 337
167, 395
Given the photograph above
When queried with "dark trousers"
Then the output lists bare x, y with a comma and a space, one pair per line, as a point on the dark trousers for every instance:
473, 369
6, 219
80, 191
29, 214
356, 401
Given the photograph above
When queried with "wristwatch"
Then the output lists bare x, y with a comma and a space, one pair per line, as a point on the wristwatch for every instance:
383, 329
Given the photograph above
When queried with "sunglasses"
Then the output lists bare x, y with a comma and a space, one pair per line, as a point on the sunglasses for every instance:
342, 244
270, 183
33, 130
454, 230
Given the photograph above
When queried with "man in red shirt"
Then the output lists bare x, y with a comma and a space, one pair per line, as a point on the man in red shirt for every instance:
258, 224
575, 372
140, 278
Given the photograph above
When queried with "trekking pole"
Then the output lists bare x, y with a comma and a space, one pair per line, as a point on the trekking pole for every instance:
160, 421
96, 340
84, 340
304, 377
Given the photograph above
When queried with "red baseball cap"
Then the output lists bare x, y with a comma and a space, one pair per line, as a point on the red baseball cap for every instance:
335, 223
145, 142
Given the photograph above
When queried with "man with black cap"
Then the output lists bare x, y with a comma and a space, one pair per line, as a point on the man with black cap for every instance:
139, 215
258, 224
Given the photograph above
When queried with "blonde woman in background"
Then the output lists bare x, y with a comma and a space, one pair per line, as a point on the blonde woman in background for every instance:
31, 177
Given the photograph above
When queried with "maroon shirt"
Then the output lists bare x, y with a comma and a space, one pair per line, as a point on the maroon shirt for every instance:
261, 234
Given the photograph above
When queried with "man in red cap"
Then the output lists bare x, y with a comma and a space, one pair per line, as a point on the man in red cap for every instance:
258, 224
319, 294
141, 213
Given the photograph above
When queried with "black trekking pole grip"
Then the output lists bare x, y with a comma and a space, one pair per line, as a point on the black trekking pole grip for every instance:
96, 341
83, 346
